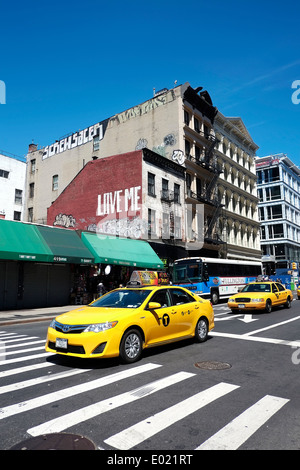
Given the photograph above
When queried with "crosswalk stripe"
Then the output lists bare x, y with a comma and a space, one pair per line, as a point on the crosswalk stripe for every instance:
18, 339
20, 370
109, 404
72, 391
21, 351
39, 380
144, 429
24, 358
234, 434
11, 346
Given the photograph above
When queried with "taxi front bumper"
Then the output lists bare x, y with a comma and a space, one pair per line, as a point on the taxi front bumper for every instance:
90, 344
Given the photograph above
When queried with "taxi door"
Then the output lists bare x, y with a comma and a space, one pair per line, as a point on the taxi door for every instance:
282, 293
275, 295
186, 308
161, 322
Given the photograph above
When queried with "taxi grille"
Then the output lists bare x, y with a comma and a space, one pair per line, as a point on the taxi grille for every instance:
70, 349
69, 328
243, 299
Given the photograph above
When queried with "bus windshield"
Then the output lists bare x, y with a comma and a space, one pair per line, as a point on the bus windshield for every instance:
189, 271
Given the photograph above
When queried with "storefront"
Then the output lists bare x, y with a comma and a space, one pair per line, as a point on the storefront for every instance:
115, 259
40, 265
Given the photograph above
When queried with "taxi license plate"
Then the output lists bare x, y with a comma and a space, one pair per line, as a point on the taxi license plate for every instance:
61, 343
241, 305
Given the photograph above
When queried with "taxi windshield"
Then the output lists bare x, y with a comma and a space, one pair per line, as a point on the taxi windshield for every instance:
257, 288
122, 298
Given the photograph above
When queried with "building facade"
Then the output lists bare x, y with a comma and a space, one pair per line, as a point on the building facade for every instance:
176, 124
278, 183
12, 187
237, 189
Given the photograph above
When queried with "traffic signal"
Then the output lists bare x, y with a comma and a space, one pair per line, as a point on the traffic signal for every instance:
294, 265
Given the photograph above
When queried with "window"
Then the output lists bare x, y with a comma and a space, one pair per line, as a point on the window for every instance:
165, 189
187, 146
276, 231
151, 184
18, 196
162, 297
165, 232
186, 118
196, 125
273, 193
177, 193
30, 214
32, 165
96, 143
181, 297
31, 190
177, 227
4, 173
151, 224
54, 182
17, 215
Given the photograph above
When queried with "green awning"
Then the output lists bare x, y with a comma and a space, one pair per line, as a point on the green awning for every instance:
121, 251
19, 241
65, 245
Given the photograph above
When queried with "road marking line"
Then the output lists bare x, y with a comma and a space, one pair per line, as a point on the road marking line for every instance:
136, 434
38, 380
71, 391
21, 351
17, 345
234, 434
25, 358
20, 370
272, 326
256, 338
88, 412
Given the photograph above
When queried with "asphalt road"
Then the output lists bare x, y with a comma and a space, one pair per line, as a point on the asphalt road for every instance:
239, 390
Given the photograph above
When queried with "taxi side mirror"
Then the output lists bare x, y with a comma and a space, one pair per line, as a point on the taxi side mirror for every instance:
153, 305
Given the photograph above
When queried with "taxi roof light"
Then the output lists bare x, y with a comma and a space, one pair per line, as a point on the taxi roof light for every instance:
148, 278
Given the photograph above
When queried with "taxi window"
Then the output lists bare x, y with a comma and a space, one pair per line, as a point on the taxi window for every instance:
280, 287
274, 288
181, 297
122, 298
162, 297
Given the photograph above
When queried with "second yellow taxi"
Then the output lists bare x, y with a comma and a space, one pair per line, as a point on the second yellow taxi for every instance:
125, 321
261, 296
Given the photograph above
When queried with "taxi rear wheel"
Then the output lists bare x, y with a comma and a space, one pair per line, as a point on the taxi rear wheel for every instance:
201, 330
131, 346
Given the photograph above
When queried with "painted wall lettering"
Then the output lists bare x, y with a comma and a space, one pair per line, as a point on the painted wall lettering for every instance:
76, 139
119, 201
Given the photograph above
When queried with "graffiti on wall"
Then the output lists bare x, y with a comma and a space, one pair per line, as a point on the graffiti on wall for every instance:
162, 149
126, 227
64, 220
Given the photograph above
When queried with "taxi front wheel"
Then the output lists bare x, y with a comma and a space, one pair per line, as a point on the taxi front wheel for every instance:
201, 330
131, 346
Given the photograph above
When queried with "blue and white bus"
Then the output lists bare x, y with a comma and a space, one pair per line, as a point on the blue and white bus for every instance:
214, 278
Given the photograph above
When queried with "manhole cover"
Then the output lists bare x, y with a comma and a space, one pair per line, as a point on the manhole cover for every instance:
56, 441
212, 365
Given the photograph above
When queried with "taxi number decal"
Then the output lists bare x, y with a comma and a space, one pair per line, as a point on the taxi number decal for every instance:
166, 319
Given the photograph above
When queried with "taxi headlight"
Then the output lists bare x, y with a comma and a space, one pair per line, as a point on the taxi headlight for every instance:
257, 300
98, 327
52, 324
231, 300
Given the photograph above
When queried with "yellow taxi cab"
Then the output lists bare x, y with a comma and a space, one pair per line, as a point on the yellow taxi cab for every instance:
147, 312
298, 292
261, 296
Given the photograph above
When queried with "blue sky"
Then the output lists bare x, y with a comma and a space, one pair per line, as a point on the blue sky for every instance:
67, 65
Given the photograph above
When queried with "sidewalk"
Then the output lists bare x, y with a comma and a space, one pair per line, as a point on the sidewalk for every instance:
10, 317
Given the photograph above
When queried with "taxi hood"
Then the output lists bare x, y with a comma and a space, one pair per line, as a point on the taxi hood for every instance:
89, 315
